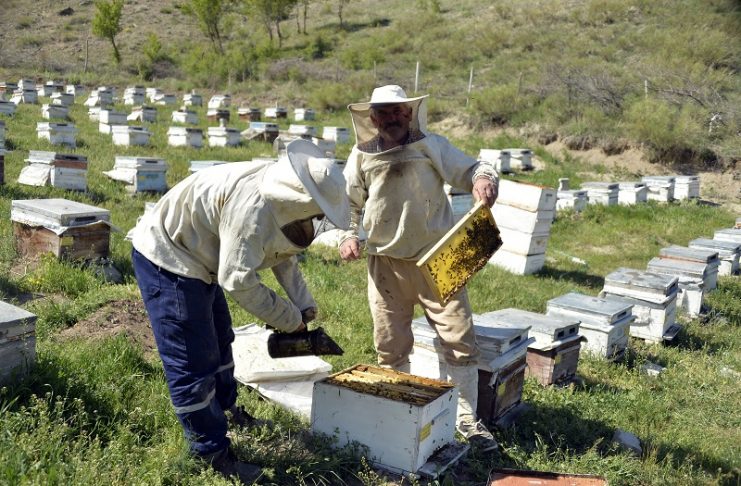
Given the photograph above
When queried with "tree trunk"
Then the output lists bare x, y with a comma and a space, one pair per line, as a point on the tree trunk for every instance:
306, 9
280, 34
116, 54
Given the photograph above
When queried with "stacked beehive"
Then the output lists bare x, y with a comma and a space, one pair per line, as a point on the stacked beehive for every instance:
185, 137
223, 137
276, 112
184, 115
632, 193
728, 252
520, 159
66, 171
686, 187
603, 323
304, 114
660, 188
605, 193
143, 114
110, 118
336, 134
249, 114
695, 277
654, 300
524, 213
57, 133
54, 112
135, 95
192, 99
130, 135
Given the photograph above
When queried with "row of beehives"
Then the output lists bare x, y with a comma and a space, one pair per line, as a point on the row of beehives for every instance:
25, 91
650, 188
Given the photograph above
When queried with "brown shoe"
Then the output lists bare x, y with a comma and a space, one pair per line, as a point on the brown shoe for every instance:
226, 463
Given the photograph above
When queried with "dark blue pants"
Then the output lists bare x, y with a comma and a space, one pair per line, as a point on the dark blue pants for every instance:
193, 330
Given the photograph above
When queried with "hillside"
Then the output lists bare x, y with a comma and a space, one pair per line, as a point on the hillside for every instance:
661, 76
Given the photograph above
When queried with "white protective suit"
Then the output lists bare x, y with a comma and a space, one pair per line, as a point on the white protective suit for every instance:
401, 189
223, 224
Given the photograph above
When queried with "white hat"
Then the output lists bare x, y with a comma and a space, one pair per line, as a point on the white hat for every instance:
385, 95
323, 178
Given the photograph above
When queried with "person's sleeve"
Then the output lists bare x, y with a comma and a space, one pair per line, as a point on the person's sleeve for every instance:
289, 277
238, 275
460, 170
356, 192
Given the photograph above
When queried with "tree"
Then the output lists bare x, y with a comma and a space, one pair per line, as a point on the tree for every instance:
208, 13
272, 12
107, 23
301, 5
340, 6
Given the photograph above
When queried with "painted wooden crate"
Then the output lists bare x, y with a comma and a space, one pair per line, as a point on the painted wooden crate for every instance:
518, 264
556, 364
402, 419
276, 112
249, 114
192, 99
185, 116
17, 342
660, 188
686, 187
220, 101
304, 114
185, 137
728, 252
728, 234
130, 136
521, 158
500, 159
66, 229
338, 134
65, 171
62, 99
604, 193
536, 222
216, 115
708, 257
54, 112
143, 114
500, 391
223, 137
632, 193
141, 174
526, 196
57, 133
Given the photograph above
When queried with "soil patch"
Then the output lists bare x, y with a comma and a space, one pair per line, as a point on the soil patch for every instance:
118, 317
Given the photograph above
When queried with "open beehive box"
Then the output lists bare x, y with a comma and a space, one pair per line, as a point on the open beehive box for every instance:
462, 252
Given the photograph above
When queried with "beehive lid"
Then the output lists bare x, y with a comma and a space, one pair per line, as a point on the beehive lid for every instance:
221, 131
463, 251
246, 110
589, 309
631, 185
335, 129
266, 126
686, 179
649, 282
527, 196
680, 268
183, 130
727, 247
690, 254
605, 186
11, 316
545, 329
132, 162
658, 179
128, 129
56, 212
389, 384
728, 234
43, 157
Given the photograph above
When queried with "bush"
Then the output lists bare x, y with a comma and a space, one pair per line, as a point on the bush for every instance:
497, 104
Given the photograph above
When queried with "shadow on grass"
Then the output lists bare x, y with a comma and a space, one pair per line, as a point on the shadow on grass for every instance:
689, 340
357, 26
580, 278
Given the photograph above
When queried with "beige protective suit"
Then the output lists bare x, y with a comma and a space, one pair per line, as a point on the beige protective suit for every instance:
405, 212
223, 225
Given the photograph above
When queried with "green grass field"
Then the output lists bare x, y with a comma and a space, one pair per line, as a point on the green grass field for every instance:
96, 411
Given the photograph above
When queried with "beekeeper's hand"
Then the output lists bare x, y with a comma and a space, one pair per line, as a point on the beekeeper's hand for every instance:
350, 249
486, 190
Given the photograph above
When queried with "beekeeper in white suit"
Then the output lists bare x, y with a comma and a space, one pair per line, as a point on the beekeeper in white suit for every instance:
213, 232
395, 173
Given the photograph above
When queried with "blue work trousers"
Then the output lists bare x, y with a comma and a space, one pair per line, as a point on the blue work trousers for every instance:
193, 330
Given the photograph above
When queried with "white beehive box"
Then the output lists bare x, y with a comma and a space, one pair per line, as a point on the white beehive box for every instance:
276, 112
571, 199
460, 204
62, 99
220, 101
135, 95
223, 137
153, 93
686, 187
65, 171
57, 133
304, 114
327, 147
75, 89
605, 193
660, 188
165, 99
27, 96
691, 277
130, 136
708, 257
544, 329
520, 158
26, 83
728, 234
143, 114
538, 222
185, 116
526, 196
94, 113
654, 322
522, 243
516, 263
141, 174
302, 130
192, 99
404, 418
17, 342
707, 271
7, 108
185, 137
728, 252
109, 118
249, 114
336, 134
604, 323
632, 193
500, 159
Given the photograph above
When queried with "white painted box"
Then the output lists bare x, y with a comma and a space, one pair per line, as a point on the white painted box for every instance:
652, 319
304, 114
7, 108
605, 193
571, 199
402, 419
17, 342
223, 137
108, 118
135, 95
75, 89
220, 101
660, 188
165, 99
185, 137
516, 263
143, 114
276, 112
520, 158
302, 130
526, 196
500, 159
130, 136
62, 99
336, 134
57, 133
185, 116
28, 96
192, 99
728, 234
728, 252
686, 187
141, 174
523, 243
705, 271
630, 193
538, 222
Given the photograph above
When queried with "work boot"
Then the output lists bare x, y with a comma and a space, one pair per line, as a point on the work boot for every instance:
238, 417
226, 463
478, 436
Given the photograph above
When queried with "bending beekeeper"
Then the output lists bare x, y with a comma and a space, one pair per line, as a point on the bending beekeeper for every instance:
395, 173
213, 232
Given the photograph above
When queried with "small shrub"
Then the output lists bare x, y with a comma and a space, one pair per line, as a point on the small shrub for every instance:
24, 23
496, 104
30, 41
318, 47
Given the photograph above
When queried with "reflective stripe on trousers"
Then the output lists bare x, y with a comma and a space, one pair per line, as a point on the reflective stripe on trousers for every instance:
193, 331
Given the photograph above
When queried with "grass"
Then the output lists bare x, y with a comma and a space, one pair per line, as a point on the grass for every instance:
97, 411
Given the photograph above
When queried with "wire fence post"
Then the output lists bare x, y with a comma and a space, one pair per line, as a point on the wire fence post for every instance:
470, 85
416, 78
